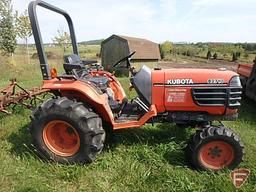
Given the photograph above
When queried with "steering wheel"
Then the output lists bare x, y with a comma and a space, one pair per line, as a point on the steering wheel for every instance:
127, 58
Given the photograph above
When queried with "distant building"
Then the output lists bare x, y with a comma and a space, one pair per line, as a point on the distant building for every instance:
117, 47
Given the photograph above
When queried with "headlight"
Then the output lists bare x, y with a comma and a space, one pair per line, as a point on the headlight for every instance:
235, 82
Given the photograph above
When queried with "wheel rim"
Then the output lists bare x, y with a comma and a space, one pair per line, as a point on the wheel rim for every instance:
61, 138
216, 155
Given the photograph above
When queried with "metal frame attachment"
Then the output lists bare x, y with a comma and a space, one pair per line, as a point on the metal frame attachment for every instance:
37, 34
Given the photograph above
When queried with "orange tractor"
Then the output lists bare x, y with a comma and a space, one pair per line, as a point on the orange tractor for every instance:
70, 127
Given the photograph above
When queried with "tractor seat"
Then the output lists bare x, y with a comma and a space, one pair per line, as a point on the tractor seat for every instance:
76, 60
74, 65
72, 59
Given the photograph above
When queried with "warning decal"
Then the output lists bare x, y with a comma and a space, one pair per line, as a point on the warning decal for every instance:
176, 95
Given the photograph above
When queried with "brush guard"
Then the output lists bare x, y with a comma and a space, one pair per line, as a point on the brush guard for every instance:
10, 96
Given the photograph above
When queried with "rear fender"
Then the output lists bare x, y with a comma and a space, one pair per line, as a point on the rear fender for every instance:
83, 91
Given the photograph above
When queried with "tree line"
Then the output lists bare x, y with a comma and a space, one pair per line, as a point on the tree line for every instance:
226, 51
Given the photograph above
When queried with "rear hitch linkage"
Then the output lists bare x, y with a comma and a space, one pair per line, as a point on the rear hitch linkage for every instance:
10, 96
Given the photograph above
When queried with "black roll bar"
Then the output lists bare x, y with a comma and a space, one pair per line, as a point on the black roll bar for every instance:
37, 34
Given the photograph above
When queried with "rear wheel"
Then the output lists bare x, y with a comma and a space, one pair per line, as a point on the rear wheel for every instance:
61, 138
215, 148
66, 131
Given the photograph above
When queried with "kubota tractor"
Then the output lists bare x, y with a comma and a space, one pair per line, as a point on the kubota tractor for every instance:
70, 127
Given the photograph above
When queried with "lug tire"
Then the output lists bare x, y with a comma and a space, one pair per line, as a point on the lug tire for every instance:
84, 133
215, 148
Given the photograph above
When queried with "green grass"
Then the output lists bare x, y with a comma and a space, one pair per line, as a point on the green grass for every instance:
150, 158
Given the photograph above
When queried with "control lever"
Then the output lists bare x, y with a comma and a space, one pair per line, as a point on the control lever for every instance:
124, 103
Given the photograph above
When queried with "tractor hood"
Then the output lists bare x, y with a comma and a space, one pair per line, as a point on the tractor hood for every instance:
192, 76
146, 78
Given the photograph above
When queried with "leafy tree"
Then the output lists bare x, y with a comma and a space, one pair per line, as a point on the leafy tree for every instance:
226, 48
166, 48
209, 55
215, 56
192, 51
24, 30
234, 56
62, 39
8, 33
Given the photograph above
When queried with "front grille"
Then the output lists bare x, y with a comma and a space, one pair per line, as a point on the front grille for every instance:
217, 96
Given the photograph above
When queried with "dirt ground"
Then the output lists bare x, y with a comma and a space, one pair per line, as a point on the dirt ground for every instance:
198, 63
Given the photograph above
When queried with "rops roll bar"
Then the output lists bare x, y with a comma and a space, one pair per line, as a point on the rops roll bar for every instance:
37, 34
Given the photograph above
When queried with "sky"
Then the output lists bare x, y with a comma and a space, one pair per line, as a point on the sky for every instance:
156, 20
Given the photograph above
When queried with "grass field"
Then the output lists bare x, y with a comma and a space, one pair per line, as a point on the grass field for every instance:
147, 159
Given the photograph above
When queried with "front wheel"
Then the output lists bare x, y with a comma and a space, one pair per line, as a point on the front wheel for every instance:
66, 131
215, 148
